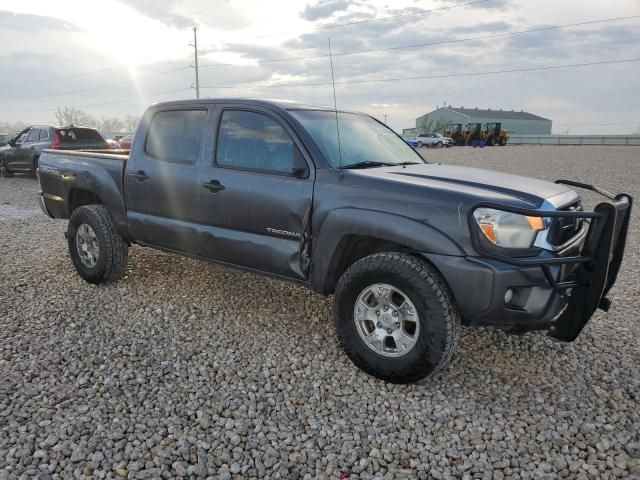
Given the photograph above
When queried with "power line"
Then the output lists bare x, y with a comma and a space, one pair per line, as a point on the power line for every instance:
67, 77
319, 27
338, 54
426, 77
430, 44
129, 99
91, 89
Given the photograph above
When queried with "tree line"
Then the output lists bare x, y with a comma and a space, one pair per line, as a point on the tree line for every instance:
66, 116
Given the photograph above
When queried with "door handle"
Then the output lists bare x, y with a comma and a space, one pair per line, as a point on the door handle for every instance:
139, 175
214, 186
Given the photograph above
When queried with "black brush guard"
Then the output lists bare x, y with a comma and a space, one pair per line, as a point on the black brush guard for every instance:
596, 266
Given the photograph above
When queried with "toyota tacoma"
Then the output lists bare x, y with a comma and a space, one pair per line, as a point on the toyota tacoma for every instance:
336, 201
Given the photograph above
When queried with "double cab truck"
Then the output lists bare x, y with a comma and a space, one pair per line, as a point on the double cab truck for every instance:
337, 202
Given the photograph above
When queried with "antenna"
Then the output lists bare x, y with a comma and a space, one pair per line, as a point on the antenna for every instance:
335, 106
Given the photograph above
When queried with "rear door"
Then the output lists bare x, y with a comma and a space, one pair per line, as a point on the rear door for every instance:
161, 179
255, 192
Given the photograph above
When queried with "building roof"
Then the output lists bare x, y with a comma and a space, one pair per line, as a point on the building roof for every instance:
497, 114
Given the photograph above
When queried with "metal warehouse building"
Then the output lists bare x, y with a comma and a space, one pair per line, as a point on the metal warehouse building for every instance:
521, 123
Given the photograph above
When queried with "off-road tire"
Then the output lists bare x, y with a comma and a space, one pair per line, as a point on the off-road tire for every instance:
113, 250
439, 316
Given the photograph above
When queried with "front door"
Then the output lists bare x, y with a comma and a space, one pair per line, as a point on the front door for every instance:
256, 193
18, 157
161, 180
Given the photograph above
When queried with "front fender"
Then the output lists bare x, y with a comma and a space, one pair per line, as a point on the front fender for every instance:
342, 223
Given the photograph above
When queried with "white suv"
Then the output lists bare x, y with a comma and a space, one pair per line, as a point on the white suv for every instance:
431, 139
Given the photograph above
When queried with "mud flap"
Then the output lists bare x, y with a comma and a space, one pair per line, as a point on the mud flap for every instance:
605, 245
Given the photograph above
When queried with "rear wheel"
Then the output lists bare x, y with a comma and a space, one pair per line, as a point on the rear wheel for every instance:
395, 318
97, 250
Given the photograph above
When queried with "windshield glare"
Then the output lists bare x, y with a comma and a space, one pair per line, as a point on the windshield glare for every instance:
362, 139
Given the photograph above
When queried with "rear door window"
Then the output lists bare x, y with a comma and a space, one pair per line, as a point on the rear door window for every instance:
176, 135
44, 134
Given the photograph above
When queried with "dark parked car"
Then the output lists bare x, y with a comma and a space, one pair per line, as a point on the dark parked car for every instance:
21, 153
409, 250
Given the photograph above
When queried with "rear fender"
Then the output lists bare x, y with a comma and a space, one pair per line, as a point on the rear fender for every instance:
342, 223
99, 182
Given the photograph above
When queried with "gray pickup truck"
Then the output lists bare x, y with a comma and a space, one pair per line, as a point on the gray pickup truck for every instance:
339, 203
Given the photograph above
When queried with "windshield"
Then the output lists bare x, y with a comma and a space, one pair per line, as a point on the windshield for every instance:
362, 139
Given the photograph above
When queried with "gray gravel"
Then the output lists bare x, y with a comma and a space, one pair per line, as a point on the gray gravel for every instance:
185, 369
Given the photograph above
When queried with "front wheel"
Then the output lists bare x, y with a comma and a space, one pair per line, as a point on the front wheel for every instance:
395, 317
97, 250
439, 145
419, 145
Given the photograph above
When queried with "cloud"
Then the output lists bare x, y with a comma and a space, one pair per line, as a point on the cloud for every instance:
163, 11
34, 23
38, 48
324, 9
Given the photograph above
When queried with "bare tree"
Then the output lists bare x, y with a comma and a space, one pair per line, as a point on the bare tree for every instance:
67, 116
109, 125
131, 123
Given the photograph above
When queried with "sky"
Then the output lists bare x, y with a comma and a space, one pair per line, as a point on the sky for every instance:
112, 58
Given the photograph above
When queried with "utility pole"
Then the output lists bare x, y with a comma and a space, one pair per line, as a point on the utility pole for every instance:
195, 65
385, 118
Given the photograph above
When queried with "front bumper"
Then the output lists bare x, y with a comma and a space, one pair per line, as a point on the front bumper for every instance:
555, 291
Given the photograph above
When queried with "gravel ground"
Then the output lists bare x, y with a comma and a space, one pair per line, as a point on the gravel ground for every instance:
185, 369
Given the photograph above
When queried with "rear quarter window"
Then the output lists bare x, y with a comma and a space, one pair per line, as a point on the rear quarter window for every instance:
176, 135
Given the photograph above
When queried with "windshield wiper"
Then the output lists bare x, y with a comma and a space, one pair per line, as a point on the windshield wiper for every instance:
370, 164
409, 163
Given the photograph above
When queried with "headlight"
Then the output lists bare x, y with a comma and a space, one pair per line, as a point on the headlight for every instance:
508, 230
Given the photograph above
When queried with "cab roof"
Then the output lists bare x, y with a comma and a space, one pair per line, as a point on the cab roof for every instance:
274, 104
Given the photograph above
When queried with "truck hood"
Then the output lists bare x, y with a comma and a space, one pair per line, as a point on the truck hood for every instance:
476, 182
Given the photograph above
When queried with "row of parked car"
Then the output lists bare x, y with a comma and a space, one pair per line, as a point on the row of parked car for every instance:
20, 153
